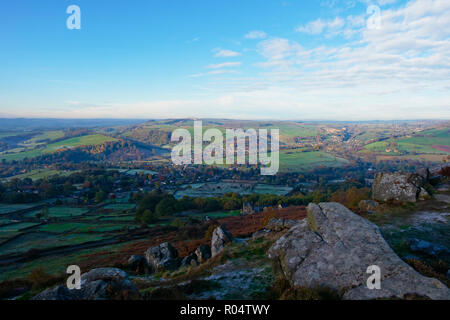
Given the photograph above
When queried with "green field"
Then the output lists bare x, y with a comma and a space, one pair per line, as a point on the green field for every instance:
56, 264
17, 226
296, 160
75, 227
269, 189
93, 139
4, 221
420, 143
41, 174
41, 240
118, 218
60, 212
42, 137
8, 208
120, 206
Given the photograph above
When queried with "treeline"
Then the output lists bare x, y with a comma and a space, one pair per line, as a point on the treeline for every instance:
151, 136
95, 184
109, 151
157, 204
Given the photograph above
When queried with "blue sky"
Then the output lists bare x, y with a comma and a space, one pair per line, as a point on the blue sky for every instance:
230, 59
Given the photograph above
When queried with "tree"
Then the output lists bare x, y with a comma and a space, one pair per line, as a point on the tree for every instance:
148, 217
67, 188
149, 202
100, 196
167, 207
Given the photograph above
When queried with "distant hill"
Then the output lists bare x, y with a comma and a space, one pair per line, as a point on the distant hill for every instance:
32, 124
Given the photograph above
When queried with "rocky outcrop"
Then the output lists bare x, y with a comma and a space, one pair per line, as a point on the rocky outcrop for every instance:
162, 257
275, 225
203, 253
220, 238
138, 264
97, 284
190, 260
397, 186
334, 247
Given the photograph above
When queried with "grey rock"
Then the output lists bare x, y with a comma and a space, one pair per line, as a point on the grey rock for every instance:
424, 173
219, 239
114, 274
334, 247
423, 194
163, 257
261, 233
97, 284
190, 260
368, 205
397, 186
135, 260
139, 264
56, 293
277, 225
203, 253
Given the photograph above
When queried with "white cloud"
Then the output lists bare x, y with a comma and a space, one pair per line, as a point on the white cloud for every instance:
212, 73
224, 65
313, 27
256, 34
221, 53
400, 71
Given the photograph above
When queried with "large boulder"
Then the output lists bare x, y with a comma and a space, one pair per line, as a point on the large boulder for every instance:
190, 260
163, 257
203, 253
334, 247
220, 238
138, 264
97, 284
105, 274
397, 186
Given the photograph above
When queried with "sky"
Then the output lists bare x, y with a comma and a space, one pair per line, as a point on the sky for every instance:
240, 59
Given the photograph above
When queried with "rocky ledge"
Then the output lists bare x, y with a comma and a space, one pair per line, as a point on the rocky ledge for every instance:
334, 247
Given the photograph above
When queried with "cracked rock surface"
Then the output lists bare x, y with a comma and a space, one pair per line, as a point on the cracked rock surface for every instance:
333, 248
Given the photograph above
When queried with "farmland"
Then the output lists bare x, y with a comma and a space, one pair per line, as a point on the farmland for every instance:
94, 139
42, 174
425, 142
64, 226
297, 160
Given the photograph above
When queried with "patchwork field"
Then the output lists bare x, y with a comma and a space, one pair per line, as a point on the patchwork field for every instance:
74, 226
60, 212
435, 141
215, 189
93, 139
41, 174
297, 160
9, 208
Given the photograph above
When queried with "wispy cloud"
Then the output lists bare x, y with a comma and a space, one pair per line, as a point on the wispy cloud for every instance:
222, 53
256, 34
224, 65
